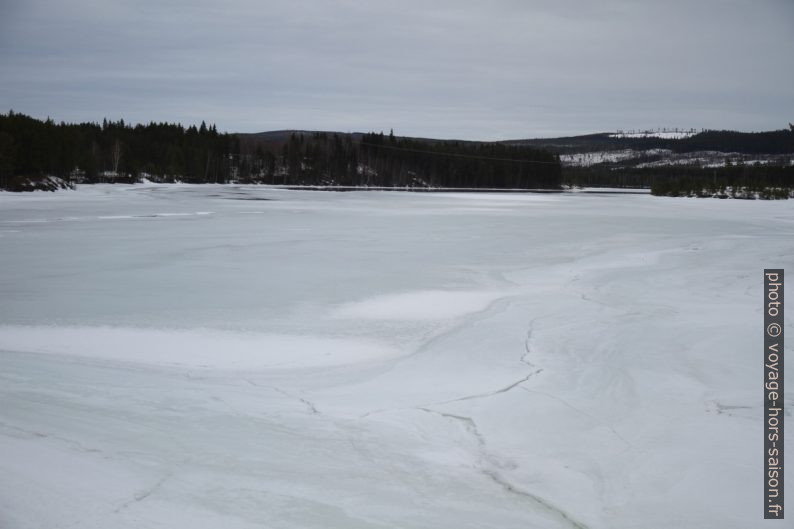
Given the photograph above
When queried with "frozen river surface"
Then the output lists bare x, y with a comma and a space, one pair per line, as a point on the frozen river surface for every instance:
221, 356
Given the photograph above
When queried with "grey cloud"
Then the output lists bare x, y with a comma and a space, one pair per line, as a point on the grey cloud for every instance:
459, 69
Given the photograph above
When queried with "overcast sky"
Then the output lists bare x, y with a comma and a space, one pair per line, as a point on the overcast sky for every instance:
452, 69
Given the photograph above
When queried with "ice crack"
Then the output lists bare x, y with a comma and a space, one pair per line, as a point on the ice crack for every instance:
487, 460
310, 407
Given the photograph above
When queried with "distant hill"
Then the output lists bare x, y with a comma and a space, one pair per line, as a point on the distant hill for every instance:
622, 159
281, 136
770, 142
726, 141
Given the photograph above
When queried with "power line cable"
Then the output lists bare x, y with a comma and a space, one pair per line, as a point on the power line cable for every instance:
474, 156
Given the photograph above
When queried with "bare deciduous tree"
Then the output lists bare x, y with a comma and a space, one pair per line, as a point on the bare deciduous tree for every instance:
116, 157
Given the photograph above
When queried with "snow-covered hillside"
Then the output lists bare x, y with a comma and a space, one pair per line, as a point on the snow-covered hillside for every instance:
659, 133
586, 159
224, 356
665, 157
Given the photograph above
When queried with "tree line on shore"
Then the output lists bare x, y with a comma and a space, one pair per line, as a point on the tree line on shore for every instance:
111, 151
744, 182
169, 152
388, 161
729, 181
32, 149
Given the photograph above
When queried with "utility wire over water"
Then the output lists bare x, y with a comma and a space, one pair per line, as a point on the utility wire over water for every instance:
457, 155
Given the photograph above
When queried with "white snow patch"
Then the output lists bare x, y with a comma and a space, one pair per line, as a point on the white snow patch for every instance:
191, 348
586, 159
420, 305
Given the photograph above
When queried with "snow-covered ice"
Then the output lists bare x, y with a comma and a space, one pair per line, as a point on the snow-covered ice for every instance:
247, 357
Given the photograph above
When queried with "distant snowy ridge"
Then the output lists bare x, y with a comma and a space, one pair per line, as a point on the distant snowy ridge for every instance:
674, 134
